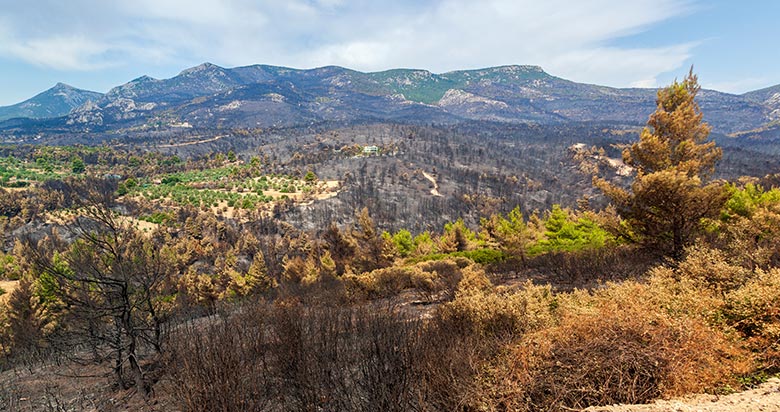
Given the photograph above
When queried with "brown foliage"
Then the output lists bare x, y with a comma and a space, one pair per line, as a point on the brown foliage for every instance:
754, 310
616, 352
670, 194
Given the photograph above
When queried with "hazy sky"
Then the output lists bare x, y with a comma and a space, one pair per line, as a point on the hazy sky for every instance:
98, 44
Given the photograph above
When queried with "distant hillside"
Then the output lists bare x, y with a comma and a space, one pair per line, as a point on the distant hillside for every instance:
55, 102
763, 95
769, 97
259, 96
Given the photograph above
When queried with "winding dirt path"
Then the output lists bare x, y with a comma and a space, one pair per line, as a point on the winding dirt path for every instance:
435, 190
192, 142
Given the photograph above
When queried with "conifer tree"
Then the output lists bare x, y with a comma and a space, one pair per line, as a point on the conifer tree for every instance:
26, 322
672, 189
372, 250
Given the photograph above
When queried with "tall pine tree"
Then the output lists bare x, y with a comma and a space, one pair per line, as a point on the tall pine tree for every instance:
672, 190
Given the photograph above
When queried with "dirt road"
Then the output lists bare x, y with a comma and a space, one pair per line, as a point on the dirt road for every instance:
765, 398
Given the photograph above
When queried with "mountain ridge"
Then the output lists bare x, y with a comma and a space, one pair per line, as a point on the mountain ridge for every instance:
267, 96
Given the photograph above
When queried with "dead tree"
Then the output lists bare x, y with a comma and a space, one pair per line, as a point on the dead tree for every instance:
110, 279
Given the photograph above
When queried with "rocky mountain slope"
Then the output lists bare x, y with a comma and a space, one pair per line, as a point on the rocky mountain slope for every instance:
259, 96
55, 102
769, 97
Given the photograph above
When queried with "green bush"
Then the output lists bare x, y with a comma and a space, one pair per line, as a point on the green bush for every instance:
567, 233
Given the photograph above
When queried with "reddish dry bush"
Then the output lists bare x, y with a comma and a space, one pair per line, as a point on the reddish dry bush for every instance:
626, 353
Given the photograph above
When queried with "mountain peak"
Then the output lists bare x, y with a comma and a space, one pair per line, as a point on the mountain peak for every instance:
512, 93
513, 69
143, 79
62, 86
520, 68
769, 95
200, 68
54, 102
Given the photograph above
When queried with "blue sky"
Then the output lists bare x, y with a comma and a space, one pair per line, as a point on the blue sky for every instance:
96, 45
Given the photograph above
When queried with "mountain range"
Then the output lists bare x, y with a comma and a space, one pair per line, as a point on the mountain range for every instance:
261, 96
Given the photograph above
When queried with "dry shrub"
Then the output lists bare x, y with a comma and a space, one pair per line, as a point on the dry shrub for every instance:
754, 310
676, 296
291, 357
585, 268
447, 274
754, 241
712, 269
619, 345
480, 310
436, 280
707, 285
613, 354
380, 283
473, 279
220, 363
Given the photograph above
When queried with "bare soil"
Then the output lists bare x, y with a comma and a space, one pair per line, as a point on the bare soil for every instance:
8, 286
435, 189
765, 398
192, 143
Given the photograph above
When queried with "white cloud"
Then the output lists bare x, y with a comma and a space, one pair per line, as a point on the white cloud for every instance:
353, 54
633, 67
572, 39
738, 86
330, 3
645, 83
64, 52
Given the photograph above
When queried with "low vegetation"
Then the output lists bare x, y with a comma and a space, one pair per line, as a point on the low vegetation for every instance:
554, 310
